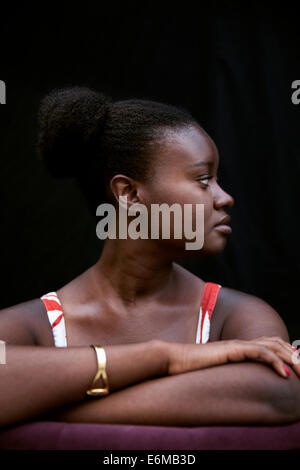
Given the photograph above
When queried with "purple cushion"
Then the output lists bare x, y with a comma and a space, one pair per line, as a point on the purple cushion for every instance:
50, 435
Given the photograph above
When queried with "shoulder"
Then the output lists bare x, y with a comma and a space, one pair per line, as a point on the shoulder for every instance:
246, 316
26, 323
238, 302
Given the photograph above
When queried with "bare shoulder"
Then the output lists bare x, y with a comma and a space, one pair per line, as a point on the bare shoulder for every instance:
239, 315
247, 316
234, 300
26, 323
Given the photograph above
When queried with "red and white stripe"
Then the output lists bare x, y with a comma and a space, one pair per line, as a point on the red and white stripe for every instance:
203, 328
208, 302
56, 318
57, 321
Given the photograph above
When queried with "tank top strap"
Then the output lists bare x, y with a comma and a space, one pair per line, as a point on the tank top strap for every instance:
209, 297
56, 318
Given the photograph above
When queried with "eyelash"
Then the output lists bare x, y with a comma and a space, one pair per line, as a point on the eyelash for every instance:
207, 178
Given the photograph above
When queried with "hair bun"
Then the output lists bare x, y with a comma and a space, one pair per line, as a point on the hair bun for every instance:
70, 121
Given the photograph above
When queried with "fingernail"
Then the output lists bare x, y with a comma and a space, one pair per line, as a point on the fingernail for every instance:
287, 370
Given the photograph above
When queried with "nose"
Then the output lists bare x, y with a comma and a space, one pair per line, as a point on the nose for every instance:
222, 199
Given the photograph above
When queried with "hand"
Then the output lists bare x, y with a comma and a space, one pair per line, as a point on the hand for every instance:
284, 349
273, 351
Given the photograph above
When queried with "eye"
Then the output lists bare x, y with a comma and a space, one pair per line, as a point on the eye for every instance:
204, 180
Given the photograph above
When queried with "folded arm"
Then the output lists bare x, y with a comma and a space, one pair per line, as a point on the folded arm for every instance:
250, 317
239, 393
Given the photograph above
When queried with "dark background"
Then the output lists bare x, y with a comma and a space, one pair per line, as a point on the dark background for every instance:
232, 66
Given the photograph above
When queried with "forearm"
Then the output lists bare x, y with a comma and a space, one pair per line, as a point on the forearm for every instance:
37, 380
243, 393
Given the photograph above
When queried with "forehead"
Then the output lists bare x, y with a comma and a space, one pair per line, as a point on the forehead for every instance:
187, 149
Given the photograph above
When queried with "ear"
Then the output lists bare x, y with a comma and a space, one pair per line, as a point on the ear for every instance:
122, 185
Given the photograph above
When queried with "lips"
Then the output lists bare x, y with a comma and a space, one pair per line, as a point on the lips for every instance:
224, 221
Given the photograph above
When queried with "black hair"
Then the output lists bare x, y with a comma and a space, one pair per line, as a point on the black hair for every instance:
84, 134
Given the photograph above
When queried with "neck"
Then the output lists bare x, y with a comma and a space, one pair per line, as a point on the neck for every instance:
134, 269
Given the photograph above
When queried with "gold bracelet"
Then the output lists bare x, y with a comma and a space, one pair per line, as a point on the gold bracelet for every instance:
95, 391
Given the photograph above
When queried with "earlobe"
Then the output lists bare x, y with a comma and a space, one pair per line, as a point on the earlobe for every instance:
135, 198
131, 194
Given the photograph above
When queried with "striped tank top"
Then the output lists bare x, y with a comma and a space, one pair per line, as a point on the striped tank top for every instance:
57, 321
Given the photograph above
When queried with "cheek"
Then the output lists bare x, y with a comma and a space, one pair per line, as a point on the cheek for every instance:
207, 213
161, 192
175, 190
183, 193
208, 210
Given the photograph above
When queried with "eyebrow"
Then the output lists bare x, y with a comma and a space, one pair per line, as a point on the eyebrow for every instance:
200, 164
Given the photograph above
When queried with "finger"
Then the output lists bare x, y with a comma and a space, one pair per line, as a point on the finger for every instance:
289, 356
285, 344
264, 354
281, 347
278, 340
258, 352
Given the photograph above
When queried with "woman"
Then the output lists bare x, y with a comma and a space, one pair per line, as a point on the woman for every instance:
168, 362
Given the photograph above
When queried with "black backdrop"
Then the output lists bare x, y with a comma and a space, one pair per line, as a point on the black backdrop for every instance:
231, 65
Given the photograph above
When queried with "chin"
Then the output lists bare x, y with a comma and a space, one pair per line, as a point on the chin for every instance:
210, 247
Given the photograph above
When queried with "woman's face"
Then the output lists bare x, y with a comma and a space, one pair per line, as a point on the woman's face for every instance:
185, 172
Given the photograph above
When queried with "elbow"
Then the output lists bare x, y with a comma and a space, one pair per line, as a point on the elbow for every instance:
286, 399
294, 408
